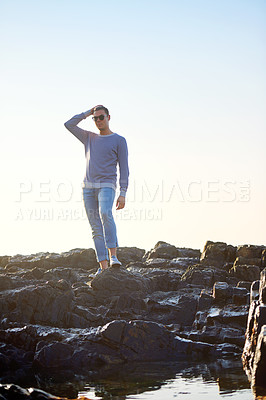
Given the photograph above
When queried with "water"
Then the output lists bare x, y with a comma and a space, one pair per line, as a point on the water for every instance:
222, 379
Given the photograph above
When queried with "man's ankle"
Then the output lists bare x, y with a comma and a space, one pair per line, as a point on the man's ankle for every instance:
103, 264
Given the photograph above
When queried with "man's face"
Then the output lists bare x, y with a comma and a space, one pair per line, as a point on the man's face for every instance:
101, 124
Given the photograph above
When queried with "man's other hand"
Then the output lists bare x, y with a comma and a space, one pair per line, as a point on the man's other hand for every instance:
120, 202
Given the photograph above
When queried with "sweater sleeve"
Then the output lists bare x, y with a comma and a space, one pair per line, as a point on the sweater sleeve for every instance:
123, 166
71, 125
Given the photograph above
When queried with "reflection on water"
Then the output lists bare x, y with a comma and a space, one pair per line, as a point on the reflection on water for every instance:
181, 380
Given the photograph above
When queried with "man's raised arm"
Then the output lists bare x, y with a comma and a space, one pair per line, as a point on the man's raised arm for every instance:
71, 125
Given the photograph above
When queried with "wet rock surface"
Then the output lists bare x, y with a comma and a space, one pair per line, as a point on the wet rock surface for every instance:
169, 303
15, 392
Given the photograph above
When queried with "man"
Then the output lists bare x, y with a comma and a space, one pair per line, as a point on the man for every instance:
103, 151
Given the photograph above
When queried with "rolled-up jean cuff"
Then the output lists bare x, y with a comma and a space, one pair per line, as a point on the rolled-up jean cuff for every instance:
112, 245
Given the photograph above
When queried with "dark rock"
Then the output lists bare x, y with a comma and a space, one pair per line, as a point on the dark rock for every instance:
13, 280
150, 341
117, 342
246, 272
6, 282
254, 348
15, 362
196, 276
157, 263
61, 284
250, 251
82, 317
202, 318
137, 266
127, 302
43, 304
188, 253
254, 353
219, 335
258, 376
115, 281
160, 307
254, 291
168, 251
21, 337
38, 394
179, 263
176, 306
53, 355
240, 296
231, 253
163, 250
263, 295
68, 274
39, 260
182, 262
205, 300
217, 253
15, 392
129, 254
262, 286
35, 273
163, 280
203, 276
227, 266
259, 319
263, 258
13, 268
84, 296
235, 316
244, 284
4, 260
78, 258
222, 291
247, 261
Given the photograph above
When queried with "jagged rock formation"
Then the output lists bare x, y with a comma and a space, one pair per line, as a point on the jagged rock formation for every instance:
15, 392
168, 303
254, 353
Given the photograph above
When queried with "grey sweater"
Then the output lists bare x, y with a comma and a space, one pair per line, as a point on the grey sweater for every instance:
103, 153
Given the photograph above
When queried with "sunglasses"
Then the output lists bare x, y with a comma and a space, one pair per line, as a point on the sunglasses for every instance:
101, 118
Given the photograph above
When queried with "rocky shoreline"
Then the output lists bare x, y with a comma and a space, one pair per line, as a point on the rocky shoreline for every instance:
166, 304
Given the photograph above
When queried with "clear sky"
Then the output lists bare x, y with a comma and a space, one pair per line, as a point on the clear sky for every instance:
185, 84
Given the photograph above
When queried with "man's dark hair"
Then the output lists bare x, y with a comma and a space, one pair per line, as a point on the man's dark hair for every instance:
102, 108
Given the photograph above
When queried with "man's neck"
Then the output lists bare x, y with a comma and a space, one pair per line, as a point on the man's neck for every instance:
106, 132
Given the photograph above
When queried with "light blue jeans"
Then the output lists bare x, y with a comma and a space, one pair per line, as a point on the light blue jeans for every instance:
98, 205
